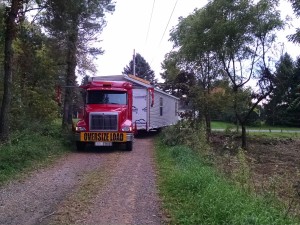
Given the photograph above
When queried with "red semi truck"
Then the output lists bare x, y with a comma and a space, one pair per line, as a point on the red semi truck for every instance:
107, 115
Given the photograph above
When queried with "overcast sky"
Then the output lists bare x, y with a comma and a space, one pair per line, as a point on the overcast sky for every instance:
131, 27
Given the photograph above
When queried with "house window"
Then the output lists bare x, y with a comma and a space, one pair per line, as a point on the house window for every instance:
176, 108
161, 106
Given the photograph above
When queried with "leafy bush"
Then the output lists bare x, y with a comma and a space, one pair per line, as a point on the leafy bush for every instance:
30, 147
188, 134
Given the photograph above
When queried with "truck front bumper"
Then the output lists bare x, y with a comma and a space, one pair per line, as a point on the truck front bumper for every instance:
129, 137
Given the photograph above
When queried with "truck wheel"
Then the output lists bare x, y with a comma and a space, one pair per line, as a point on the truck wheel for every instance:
80, 146
129, 146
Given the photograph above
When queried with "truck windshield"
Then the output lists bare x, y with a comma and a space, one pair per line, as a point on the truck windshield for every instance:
106, 97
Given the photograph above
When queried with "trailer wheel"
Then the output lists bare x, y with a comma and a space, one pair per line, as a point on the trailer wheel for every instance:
128, 146
80, 146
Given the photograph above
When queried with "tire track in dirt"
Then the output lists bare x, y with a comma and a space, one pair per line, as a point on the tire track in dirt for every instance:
124, 190
131, 196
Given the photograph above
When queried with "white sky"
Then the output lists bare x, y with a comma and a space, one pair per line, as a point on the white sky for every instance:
127, 29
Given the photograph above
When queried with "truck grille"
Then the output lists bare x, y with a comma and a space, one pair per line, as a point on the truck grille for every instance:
103, 122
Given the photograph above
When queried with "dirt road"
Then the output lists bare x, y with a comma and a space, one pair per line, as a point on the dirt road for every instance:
93, 187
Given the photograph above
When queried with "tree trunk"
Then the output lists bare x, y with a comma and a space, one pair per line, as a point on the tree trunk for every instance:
208, 126
244, 136
207, 109
10, 31
70, 77
237, 125
242, 123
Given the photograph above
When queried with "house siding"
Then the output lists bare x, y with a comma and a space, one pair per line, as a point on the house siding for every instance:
169, 112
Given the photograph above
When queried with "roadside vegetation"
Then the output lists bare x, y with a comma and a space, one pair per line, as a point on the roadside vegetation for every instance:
194, 191
30, 148
262, 131
261, 126
41, 50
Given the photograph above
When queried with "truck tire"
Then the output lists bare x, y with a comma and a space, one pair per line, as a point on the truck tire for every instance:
128, 146
80, 146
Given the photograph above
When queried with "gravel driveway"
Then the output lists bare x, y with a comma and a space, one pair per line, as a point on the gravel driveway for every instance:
93, 187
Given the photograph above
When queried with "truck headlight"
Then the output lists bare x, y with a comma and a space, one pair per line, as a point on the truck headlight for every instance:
126, 128
80, 129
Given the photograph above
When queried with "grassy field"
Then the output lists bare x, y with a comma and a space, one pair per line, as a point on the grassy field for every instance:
193, 192
261, 131
271, 134
225, 125
30, 149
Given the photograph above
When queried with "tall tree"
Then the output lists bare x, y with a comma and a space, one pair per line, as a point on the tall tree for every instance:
296, 39
11, 16
277, 105
239, 34
35, 74
250, 33
197, 71
74, 23
142, 69
197, 58
279, 110
177, 81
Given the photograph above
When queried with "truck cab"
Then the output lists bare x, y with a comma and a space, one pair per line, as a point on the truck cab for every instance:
107, 115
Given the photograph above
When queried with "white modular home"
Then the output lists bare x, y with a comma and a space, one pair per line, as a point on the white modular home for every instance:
152, 108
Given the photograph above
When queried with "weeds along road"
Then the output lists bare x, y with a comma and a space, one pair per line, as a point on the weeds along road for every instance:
93, 187
262, 130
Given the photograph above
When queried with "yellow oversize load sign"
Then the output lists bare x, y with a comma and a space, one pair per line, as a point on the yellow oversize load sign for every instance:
102, 137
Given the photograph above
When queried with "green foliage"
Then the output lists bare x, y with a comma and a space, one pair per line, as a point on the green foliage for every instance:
222, 125
193, 193
181, 86
35, 145
59, 36
296, 7
170, 66
282, 108
178, 80
296, 102
231, 38
188, 134
35, 77
223, 100
74, 24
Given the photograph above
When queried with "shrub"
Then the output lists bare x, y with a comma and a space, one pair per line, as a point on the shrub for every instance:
188, 134
30, 147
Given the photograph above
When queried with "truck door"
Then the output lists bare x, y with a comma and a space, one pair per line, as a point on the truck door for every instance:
139, 109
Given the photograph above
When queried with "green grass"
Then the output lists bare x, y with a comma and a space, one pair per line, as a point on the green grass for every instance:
275, 135
29, 149
193, 193
224, 125
264, 130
